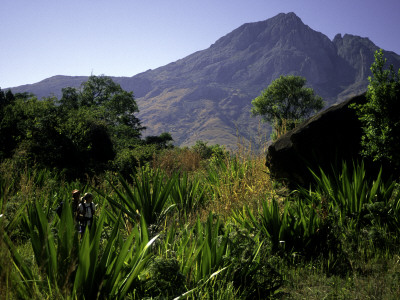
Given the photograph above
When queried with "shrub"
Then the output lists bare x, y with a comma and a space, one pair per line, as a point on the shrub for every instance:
129, 159
380, 115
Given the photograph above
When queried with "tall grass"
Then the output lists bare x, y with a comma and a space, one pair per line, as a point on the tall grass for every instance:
221, 231
177, 160
237, 180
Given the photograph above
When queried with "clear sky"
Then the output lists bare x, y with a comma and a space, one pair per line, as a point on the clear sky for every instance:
43, 38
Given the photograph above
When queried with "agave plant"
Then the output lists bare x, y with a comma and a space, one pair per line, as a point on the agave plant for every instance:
292, 227
271, 222
354, 194
215, 247
200, 249
149, 196
116, 271
187, 195
77, 268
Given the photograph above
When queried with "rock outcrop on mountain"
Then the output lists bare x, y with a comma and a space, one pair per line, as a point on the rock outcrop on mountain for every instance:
207, 95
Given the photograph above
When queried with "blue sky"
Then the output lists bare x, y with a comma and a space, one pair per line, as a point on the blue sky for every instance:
43, 38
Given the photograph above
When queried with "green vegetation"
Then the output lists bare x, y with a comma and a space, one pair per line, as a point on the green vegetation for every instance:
188, 235
379, 116
178, 223
286, 102
88, 131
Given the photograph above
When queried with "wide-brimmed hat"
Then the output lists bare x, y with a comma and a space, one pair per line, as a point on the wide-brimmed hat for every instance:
75, 192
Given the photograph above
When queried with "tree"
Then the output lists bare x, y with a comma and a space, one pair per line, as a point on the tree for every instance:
379, 116
29, 128
115, 105
68, 137
286, 102
2, 99
6, 98
69, 99
163, 141
87, 131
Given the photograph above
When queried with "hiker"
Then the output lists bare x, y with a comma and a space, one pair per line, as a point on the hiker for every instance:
76, 194
74, 205
86, 211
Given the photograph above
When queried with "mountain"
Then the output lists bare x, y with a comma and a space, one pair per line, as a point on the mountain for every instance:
207, 95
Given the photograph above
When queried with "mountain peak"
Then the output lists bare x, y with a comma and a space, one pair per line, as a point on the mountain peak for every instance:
288, 17
207, 95
262, 31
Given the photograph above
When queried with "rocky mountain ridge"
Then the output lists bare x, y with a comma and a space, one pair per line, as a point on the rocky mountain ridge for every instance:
207, 95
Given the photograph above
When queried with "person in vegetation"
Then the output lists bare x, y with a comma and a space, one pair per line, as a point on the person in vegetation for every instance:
74, 205
76, 195
86, 211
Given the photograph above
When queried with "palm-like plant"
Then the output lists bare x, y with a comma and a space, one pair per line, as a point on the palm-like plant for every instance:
294, 226
76, 268
187, 195
149, 196
352, 192
271, 221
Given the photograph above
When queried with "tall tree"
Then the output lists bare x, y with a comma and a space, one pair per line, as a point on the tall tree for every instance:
117, 107
2, 99
69, 99
287, 101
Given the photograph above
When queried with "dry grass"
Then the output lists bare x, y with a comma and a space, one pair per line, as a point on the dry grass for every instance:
244, 180
177, 160
245, 184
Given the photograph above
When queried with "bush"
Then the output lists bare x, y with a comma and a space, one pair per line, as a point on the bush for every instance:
165, 279
206, 152
380, 115
127, 160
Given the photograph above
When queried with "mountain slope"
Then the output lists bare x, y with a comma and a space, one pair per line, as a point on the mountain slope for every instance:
207, 95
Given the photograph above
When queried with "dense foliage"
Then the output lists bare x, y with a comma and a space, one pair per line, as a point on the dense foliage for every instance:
187, 223
190, 236
87, 131
380, 114
286, 102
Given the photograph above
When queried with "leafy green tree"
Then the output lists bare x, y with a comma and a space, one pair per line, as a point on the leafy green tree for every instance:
46, 134
31, 126
6, 98
69, 99
8, 128
2, 99
3, 102
286, 101
87, 131
380, 114
163, 141
99, 118
207, 152
91, 140
109, 102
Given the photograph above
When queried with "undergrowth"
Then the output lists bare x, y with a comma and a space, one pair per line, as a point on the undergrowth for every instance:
193, 227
